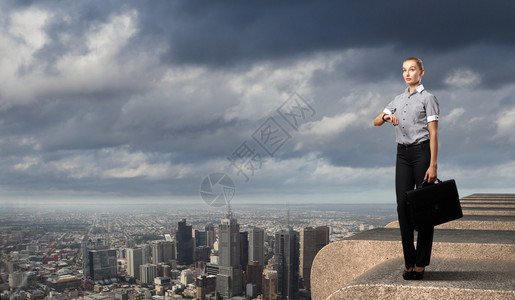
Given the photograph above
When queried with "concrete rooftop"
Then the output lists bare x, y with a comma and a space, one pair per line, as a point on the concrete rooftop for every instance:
473, 258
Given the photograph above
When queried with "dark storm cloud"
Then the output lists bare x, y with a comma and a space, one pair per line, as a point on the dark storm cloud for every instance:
192, 82
235, 34
229, 32
238, 34
225, 32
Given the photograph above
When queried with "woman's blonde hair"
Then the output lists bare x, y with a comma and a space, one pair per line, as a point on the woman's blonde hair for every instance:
416, 59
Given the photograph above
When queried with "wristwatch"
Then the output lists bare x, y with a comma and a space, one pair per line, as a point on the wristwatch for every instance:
383, 118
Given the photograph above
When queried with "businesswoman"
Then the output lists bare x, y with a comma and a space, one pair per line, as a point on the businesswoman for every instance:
414, 114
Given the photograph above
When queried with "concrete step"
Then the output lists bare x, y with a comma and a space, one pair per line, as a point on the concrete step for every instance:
444, 279
508, 197
471, 224
443, 235
341, 262
488, 212
472, 258
487, 205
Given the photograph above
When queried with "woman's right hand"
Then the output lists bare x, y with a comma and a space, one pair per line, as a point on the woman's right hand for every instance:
392, 119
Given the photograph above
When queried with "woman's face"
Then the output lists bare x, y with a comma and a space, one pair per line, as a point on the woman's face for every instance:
411, 72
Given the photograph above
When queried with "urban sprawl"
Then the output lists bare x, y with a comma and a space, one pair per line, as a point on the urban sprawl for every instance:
175, 253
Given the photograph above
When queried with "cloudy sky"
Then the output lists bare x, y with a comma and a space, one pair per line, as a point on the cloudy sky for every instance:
136, 100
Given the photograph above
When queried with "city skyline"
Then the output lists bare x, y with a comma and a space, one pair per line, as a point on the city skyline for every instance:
83, 254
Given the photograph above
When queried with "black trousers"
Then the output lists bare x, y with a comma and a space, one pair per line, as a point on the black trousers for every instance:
411, 166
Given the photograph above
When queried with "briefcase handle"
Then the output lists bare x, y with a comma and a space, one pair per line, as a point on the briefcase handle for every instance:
425, 183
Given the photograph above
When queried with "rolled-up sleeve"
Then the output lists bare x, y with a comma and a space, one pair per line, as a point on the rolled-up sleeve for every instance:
389, 109
432, 109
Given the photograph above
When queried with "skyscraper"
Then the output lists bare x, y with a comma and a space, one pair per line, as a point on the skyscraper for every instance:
157, 251
200, 238
163, 251
257, 245
102, 264
244, 249
146, 251
210, 235
134, 260
287, 263
255, 275
86, 246
185, 243
85, 259
312, 239
269, 285
169, 251
229, 279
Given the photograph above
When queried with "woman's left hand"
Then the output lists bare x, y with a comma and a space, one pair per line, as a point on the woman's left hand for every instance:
430, 174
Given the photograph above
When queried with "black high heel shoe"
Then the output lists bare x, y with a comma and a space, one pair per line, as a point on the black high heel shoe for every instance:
408, 275
418, 275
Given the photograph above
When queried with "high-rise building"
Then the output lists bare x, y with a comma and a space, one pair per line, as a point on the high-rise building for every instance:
200, 238
85, 259
157, 252
312, 240
257, 245
229, 277
166, 270
147, 273
187, 277
244, 249
269, 285
146, 252
202, 254
205, 285
210, 235
163, 251
134, 260
169, 251
102, 264
287, 263
185, 243
91, 244
255, 275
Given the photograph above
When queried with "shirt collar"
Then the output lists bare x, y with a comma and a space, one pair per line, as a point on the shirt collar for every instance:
418, 89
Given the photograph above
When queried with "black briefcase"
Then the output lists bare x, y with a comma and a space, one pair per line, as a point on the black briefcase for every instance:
434, 204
